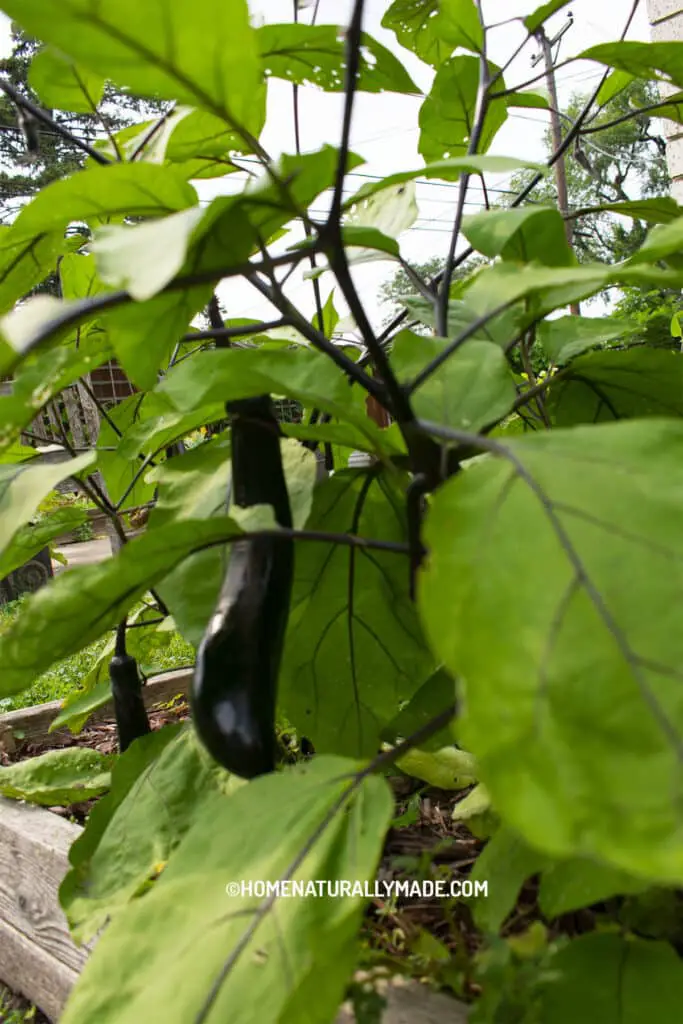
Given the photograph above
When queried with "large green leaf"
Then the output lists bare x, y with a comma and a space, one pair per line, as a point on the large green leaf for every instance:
447, 115
505, 863
566, 337
499, 330
472, 388
568, 885
654, 210
459, 24
643, 60
354, 647
605, 386
556, 600
143, 821
229, 374
116, 191
61, 85
58, 777
23, 487
154, 48
80, 605
194, 486
191, 926
120, 472
614, 979
523, 235
316, 55
25, 262
197, 142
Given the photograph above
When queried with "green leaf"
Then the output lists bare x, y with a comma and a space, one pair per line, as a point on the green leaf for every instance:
614, 84
444, 768
569, 336
156, 795
29, 540
118, 469
194, 486
642, 60
569, 885
153, 433
617, 980
605, 386
330, 317
229, 374
62, 85
78, 606
459, 25
354, 648
500, 330
143, 334
144, 258
446, 170
447, 115
528, 234
505, 863
656, 210
23, 487
316, 55
472, 388
59, 777
533, 21
141, 949
590, 519
25, 262
433, 697
153, 48
382, 442
118, 190
663, 241
78, 276
415, 24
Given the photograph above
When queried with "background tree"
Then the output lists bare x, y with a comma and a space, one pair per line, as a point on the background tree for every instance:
627, 161
21, 175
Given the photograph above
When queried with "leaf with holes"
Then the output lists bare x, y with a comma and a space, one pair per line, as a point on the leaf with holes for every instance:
604, 386
415, 23
447, 115
354, 648
556, 599
62, 85
316, 55
232, 946
153, 47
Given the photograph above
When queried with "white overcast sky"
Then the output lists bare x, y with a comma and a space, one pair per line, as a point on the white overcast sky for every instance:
385, 128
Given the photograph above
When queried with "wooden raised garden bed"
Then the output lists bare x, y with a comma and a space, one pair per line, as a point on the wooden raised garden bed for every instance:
38, 957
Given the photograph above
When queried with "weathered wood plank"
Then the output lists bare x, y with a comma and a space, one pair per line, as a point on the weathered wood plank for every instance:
27, 968
34, 722
34, 846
